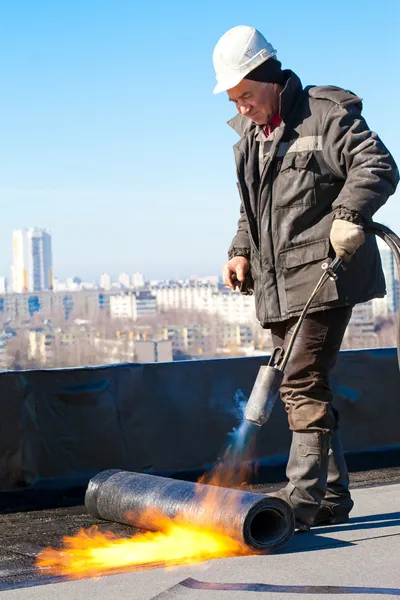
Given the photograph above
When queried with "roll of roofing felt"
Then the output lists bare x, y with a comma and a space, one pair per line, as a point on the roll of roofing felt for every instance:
260, 522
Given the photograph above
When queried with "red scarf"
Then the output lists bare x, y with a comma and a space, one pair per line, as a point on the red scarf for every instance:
273, 122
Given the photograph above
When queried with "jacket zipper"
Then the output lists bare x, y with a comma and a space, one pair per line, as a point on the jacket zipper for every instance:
266, 169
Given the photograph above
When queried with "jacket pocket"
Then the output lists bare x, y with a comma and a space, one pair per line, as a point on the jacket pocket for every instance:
295, 182
302, 268
296, 160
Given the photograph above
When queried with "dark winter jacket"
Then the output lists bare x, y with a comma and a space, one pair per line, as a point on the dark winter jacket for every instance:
321, 163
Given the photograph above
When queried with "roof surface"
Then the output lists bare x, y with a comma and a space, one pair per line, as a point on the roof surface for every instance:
354, 560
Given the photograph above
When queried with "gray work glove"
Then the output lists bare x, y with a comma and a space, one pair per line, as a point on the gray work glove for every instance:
346, 238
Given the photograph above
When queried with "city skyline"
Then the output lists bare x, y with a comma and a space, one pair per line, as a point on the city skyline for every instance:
23, 252
195, 319
125, 318
31, 258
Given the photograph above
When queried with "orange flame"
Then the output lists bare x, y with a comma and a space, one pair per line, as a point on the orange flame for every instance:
91, 552
233, 471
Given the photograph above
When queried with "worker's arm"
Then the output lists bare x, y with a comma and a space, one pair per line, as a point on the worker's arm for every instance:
236, 268
356, 154
240, 245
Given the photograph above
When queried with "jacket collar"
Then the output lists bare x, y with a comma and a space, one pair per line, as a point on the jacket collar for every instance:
293, 87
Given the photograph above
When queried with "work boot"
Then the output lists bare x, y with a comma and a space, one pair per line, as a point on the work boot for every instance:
307, 473
337, 504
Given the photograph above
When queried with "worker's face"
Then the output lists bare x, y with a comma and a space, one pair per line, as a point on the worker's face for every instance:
256, 100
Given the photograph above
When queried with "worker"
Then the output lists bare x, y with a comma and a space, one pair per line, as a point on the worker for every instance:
311, 175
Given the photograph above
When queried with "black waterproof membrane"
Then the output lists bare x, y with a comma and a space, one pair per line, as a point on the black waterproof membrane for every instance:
261, 522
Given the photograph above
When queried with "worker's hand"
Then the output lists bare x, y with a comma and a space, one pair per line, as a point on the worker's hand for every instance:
346, 238
234, 272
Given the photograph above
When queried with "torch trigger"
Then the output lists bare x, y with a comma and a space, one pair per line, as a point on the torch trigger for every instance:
276, 357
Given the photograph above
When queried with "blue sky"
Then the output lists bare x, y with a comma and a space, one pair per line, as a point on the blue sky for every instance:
111, 136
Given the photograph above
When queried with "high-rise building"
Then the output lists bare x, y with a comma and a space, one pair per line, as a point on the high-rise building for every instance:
3, 285
207, 298
138, 280
388, 266
124, 280
360, 332
105, 281
32, 261
130, 305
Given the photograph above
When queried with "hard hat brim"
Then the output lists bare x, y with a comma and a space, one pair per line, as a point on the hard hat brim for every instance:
227, 84
223, 86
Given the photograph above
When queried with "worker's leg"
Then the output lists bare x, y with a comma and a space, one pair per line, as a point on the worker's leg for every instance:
307, 396
337, 503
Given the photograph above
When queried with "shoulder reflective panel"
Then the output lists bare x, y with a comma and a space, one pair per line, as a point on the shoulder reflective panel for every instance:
308, 143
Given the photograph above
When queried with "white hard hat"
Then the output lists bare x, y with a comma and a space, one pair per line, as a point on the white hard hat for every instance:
239, 51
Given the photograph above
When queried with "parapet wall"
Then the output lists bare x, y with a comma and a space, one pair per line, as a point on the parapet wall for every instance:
60, 427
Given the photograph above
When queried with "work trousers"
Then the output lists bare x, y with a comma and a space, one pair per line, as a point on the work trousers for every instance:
305, 389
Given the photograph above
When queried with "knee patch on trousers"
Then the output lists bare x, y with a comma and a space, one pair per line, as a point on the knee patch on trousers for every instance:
310, 415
